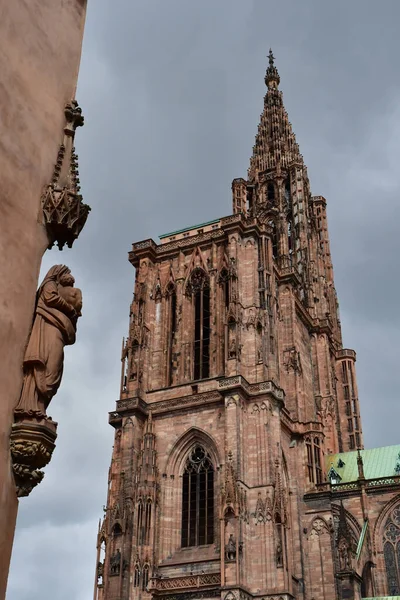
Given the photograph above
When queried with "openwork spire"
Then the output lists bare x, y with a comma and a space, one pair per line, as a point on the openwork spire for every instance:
275, 141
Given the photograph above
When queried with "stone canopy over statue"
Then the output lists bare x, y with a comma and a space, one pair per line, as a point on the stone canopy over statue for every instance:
57, 309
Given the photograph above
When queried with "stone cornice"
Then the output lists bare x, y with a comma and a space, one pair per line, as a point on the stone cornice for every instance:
149, 248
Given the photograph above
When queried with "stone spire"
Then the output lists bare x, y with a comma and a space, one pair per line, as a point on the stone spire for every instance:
275, 141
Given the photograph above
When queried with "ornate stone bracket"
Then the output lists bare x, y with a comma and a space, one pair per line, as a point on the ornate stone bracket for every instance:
63, 210
31, 444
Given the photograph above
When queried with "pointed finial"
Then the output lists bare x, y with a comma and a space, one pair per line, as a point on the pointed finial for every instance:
360, 464
272, 78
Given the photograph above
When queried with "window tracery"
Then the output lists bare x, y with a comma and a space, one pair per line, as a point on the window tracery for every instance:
199, 286
391, 551
198, 499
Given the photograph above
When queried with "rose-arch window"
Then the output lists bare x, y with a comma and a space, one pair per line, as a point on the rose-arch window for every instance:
391, 551
198, 499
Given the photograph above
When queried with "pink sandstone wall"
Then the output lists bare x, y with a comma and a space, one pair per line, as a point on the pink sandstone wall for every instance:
39, 60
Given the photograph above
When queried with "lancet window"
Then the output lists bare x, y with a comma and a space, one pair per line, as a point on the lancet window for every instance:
224, 280
391, 552
172, 322
200, 288
143, 522
145, 577
314, 464
198, 499
274, 240
136, 576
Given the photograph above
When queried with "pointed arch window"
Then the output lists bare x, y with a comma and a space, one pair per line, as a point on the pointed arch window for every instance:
199, 284
136, 576
145, 578
274, 240
147, 523
134, 359
391, 552
198, 499
224, 280
314, 465
140, 523
172, 323
144, 522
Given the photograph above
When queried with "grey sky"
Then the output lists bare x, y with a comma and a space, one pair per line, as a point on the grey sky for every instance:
172, 92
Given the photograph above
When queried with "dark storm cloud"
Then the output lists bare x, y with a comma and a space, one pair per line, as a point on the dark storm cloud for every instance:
172, 93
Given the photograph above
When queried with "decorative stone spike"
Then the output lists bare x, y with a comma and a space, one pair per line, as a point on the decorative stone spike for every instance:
64, 212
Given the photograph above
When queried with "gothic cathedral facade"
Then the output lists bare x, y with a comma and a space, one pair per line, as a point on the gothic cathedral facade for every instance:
238, 468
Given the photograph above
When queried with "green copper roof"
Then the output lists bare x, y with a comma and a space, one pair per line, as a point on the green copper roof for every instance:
164, 235
377, 462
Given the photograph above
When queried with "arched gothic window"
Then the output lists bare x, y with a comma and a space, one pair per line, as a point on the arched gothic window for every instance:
224, 280
171, 312
391, 552
200, 288
198, 499
145, 578
314, 465
136, 576
274, 240
147, 523
143, 522
140, 523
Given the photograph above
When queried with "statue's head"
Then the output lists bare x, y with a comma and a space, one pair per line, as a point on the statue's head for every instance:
61, 274
67, 280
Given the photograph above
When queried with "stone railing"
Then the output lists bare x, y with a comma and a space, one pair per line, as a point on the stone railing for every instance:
346, 353
251, 388
190, 581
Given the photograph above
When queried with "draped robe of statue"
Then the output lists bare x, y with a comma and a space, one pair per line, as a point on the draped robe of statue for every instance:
58, 306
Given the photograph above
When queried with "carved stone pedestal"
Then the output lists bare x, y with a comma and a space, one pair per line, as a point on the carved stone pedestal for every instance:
32, 444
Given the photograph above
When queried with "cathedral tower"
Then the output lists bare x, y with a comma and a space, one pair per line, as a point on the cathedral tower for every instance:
235, 394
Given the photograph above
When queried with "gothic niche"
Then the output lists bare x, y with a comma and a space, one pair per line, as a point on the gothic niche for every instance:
115, 563
64, 213
58, 307
134, 360
230, 541
232, 339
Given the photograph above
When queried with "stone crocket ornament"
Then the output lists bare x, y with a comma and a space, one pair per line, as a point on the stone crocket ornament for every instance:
58, 307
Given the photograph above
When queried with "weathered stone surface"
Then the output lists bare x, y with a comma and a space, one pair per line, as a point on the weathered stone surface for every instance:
39, 60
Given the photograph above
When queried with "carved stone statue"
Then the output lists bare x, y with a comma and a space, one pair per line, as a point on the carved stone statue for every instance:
230, 548
279, 557
344, 555
58, 307
115, 563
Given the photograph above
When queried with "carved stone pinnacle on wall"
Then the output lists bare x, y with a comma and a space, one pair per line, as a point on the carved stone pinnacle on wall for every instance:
64, 212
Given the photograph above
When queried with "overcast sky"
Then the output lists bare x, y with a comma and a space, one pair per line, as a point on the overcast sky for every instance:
172, 91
